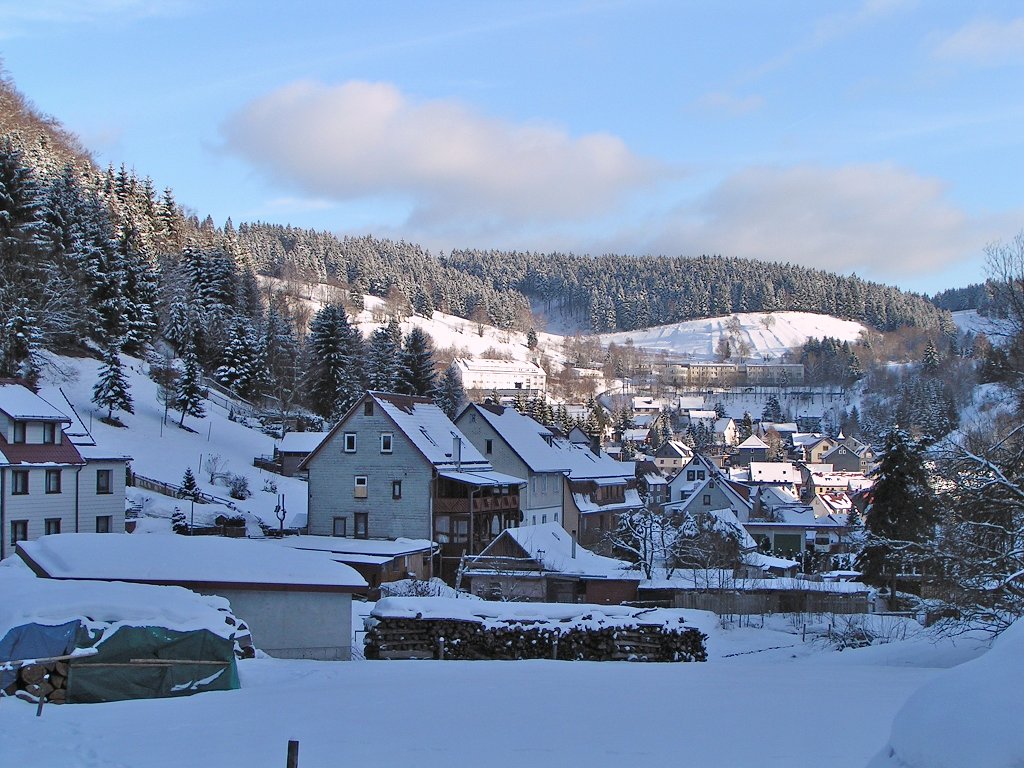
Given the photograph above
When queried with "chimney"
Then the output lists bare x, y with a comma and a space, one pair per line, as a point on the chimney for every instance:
595, 445
572, 536
457, 451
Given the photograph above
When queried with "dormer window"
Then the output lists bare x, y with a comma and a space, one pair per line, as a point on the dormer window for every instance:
19, 432
50, 433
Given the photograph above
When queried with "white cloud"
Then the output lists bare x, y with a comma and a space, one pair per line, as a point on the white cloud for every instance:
879, 220
360, 140
985, 41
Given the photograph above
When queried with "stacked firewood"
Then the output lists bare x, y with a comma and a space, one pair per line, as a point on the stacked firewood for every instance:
46, 681
409, 638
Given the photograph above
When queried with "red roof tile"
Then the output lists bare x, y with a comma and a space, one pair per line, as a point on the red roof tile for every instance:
35, 453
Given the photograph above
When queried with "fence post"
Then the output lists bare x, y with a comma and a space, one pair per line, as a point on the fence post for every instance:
293, 754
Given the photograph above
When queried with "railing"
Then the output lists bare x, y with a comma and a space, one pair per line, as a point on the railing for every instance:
177, 492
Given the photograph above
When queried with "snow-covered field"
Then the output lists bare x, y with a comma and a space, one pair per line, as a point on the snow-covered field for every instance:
164, 452
786, 706
699, 338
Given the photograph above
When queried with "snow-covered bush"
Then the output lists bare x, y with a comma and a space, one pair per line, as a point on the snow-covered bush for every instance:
239, 487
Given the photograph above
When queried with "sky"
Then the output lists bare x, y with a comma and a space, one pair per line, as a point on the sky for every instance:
876, 137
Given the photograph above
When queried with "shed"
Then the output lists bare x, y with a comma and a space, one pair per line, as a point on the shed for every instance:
297, 604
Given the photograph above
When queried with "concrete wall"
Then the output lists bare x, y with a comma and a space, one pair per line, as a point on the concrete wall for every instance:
332, 475
294, 624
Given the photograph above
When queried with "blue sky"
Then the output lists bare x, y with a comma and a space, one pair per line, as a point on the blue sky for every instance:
879, 137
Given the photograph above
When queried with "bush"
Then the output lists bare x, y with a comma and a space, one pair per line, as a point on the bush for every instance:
239, 487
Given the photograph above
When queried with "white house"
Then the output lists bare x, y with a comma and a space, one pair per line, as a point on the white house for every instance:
507, 377
47, 484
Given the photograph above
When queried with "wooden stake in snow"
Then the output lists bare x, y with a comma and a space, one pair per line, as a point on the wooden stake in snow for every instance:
293, 754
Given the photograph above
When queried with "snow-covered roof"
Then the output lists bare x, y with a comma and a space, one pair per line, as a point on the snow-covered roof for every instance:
490, 365
702, 415
173, 559
753, 442
766, 562
801, 439
481, 477
31, 600
588, 506
300, 442
339, 544
799, 516
636, 435
702, 579
645, 404
773, 472
95, 453
551, 545
21, 403
429, 429
530, 440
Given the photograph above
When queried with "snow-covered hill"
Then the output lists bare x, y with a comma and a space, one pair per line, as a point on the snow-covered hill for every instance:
163, 452
766, 335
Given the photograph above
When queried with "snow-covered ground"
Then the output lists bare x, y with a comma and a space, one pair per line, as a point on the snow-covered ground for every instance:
698, 338
755, 703
163, 452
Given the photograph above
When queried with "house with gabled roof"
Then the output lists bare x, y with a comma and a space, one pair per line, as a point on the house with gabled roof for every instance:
672, 454
47, 484
690, 476
519, 445
751, 449
395, 466
714, 493
545, 563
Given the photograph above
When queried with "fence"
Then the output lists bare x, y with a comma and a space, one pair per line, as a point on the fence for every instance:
176, 491
773, 601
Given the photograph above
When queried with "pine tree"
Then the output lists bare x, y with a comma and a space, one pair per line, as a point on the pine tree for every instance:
188, 395
900, 519
930, 361
243, 364
179, 523
382, 362
416, 373
531, 339
112, 390
450, 395
188, 483
772, 410
720, 410
21, 343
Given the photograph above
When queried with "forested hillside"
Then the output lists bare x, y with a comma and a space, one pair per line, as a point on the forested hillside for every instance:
624, 293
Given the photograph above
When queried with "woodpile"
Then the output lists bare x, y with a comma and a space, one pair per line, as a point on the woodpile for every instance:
576, 640
46, 681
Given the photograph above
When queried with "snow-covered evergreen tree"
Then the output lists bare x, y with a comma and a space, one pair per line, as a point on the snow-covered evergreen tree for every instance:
112, 390
772, 410
416, 372
900, 519
243, 365
382, 363
450, 395
188, 390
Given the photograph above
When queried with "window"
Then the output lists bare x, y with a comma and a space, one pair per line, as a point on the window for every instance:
488, 446
340, 526
104, 481
460, 530
350, 442
386, 441
50, 432
700, 474
368, 408
359, 491
103, 523
19, 482
706, 501
362, 525
19, 432
690, 475
19, 531
543, 518
396, 489
53, 481
52, 525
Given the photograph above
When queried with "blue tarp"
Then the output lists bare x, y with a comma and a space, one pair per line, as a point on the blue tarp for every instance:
36, 641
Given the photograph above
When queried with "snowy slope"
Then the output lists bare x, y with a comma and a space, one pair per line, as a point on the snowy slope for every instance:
698, 338
164, 452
